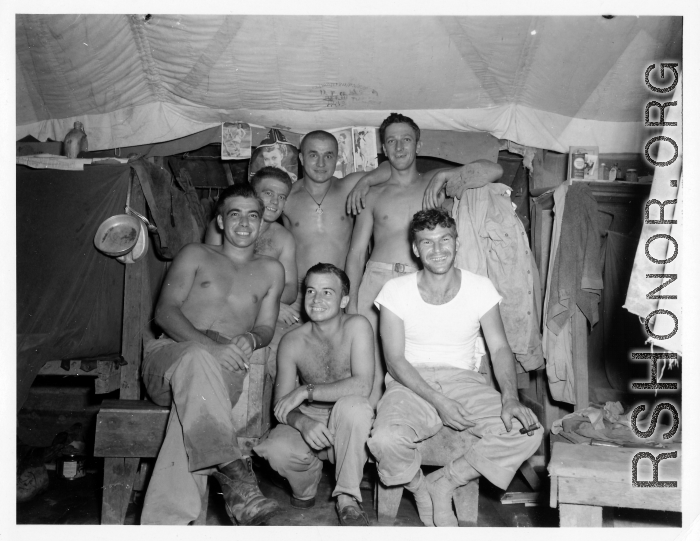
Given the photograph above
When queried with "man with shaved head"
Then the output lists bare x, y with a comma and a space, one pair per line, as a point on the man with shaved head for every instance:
315, 212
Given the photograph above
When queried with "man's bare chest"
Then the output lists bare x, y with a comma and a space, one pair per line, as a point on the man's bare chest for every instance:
394, 208
325, 362
267, 245
305, 216
230, 285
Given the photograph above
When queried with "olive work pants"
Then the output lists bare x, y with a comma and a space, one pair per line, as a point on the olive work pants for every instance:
349, 421
200, 434
404, 419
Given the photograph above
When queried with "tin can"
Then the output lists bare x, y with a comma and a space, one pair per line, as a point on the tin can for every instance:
578, 168
70, 466
631, 175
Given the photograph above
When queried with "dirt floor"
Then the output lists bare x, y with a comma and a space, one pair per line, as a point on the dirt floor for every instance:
79, 501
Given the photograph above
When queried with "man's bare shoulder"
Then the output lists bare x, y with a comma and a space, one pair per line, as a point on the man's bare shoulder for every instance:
197, 250
281, 235
356, 324
268, 264
297, 188
295, 340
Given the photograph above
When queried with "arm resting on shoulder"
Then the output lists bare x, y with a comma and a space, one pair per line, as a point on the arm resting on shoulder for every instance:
358, 196
357, 256
457, 179
289, 262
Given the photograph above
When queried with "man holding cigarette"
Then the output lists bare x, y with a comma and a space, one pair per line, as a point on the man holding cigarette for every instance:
218, 304
429, 325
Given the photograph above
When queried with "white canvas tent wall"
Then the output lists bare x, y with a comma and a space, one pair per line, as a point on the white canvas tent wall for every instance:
546, 82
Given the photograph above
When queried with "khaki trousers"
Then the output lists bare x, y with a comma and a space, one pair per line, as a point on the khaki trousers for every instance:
404, 419
349, 421
200, 433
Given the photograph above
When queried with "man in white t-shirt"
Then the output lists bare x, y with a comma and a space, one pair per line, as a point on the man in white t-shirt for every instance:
429, 325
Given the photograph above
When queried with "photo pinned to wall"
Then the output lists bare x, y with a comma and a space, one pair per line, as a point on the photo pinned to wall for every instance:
583, 163
275, 151
346, 161
236, 139
365, 148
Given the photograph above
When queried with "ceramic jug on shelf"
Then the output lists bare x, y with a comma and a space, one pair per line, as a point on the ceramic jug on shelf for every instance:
75, 141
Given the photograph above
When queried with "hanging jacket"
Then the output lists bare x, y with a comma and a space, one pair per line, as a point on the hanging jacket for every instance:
493, 243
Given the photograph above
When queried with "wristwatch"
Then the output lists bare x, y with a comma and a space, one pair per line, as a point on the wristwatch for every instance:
310, 389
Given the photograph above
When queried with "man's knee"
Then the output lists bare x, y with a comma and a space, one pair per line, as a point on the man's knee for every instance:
384, 439
353, 410
285, 453
193, 358
530, 444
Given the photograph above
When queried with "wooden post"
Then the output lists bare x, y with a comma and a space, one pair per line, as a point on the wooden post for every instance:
466, 500
573, 515
579, 346
132, 319
388, 502
119, 477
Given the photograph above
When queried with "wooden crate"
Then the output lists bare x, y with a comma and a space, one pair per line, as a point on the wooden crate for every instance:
584, 479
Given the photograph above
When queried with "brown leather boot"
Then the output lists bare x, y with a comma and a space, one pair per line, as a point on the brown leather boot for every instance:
245, 504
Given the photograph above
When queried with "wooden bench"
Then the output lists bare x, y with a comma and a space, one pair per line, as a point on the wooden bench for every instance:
584, 479
129, 430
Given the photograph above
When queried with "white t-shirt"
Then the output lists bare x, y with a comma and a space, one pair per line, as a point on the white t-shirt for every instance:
444, 333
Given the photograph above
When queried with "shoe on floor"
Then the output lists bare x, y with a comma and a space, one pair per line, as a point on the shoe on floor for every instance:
245, 504
31, 482
302, 504
351, 514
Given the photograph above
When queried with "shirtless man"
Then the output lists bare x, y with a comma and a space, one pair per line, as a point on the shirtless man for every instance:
218, 304
272, 185
333, 356
389, 207
315, 211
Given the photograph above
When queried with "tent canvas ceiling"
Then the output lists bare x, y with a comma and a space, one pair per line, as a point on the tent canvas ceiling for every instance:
546, 82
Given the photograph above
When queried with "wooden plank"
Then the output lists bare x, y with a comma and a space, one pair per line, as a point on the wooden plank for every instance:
553, 490
610, 463
128, 433
579, 345
132, 318
135, 405
597, 492
108, 377
587, 516
388, 502
466, 500
229, 175
53, 368
530, 476
119, 475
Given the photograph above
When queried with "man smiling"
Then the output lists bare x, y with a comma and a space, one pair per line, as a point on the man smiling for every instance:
430, 323
333, 356
217, 305
389, 208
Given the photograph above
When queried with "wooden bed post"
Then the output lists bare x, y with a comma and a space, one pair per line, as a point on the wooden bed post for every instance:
120, 473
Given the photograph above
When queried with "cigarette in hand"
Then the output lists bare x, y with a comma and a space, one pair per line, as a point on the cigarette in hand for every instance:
296, 319
529, 428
